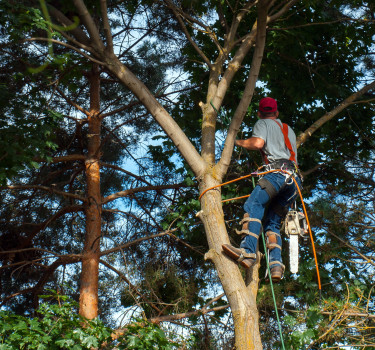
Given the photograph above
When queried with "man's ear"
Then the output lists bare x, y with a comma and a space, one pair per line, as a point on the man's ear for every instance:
259, 115
277, 114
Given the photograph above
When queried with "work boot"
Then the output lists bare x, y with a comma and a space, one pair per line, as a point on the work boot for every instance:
246, 260
277, 273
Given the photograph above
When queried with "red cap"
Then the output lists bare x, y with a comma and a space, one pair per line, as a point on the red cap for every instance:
267, 105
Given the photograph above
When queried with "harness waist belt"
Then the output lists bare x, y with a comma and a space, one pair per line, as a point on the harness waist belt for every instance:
284, 164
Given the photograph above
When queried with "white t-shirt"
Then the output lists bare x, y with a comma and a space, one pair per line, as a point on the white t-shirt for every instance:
274, 143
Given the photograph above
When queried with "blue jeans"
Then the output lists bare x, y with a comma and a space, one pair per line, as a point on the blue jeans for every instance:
256, 205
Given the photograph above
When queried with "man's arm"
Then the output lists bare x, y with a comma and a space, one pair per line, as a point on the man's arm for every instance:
252, 144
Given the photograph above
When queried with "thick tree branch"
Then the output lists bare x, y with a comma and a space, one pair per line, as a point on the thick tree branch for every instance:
106, 26
237, 20
136, 103
312, 170
233, 66
89, 24
248, 92
302, 138
162, 117
77, 32
246, 43
284, 9
62, 159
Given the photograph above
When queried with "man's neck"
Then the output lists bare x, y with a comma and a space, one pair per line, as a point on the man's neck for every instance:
269, 117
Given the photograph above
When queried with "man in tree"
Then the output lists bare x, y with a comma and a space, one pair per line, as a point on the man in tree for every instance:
277, 143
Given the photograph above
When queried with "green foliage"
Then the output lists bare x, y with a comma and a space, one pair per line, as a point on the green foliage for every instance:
23, 139
59, 327
145, 336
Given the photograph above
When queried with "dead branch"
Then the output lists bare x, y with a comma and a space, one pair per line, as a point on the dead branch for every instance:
44, 188
132, 191
139, 240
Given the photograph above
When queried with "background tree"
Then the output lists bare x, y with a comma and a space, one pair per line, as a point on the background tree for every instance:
45, 233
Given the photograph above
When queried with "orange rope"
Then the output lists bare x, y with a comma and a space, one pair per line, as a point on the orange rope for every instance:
311, 236
224, 183
238, 179
232, 199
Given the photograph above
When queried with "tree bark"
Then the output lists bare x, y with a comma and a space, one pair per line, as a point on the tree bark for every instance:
88, 301
241, 297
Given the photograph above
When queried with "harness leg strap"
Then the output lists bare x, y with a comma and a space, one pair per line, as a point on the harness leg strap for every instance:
245, 222
272, 240
245, 226
268, 187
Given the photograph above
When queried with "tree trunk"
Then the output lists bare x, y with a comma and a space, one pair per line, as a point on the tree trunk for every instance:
88, 301
241, 297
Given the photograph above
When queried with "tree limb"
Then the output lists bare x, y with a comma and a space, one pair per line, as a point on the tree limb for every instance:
63, 260
302, 138
89, 23
77, 32
179, 13
285, 8
44, 188
132, 191
203, 311
41, 226
139, 178
188, 36
106, 26
139, 240
368, 260
248, 92
162, 117
70, 102
68, 158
